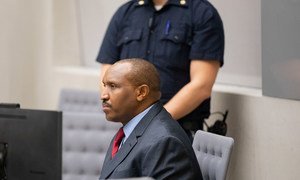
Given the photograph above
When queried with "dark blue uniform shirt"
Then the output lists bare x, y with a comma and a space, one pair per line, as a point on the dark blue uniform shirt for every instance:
169, 38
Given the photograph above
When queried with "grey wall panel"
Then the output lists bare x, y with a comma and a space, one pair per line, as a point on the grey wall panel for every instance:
281, 48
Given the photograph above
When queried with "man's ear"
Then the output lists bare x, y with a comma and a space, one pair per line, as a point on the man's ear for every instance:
142, 92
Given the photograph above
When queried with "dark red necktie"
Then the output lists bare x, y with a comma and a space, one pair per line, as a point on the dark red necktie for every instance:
120, 135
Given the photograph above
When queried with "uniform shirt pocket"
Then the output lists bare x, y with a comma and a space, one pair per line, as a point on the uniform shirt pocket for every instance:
129, 43
175, 48
176, 36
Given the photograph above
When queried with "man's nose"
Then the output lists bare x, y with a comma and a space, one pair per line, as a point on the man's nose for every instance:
104, 94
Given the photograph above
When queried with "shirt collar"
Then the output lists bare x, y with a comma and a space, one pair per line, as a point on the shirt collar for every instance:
129, 127
182, 3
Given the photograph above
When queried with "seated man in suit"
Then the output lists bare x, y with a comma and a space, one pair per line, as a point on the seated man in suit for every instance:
150, 143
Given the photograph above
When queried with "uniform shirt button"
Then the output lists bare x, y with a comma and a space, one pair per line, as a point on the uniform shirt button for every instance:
176, 37
148, 52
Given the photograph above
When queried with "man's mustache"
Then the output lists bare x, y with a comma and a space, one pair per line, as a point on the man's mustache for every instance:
105, 103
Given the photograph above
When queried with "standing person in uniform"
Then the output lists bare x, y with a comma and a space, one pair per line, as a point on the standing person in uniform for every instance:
184, 39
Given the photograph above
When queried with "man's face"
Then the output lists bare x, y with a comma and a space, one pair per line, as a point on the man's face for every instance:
118, 95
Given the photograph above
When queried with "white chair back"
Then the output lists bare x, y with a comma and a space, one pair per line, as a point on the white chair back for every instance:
213, 154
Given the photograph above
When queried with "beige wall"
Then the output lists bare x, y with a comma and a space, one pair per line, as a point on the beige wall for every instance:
266, 133
39, 55
25, 49
242, 26
38, 39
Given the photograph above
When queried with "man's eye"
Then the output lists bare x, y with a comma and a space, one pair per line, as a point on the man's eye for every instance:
112, 86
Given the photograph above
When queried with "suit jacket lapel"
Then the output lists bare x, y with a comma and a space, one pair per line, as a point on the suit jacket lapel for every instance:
111, 164
143, 124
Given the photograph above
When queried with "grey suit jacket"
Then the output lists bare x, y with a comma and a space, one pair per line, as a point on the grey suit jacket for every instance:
158, 148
